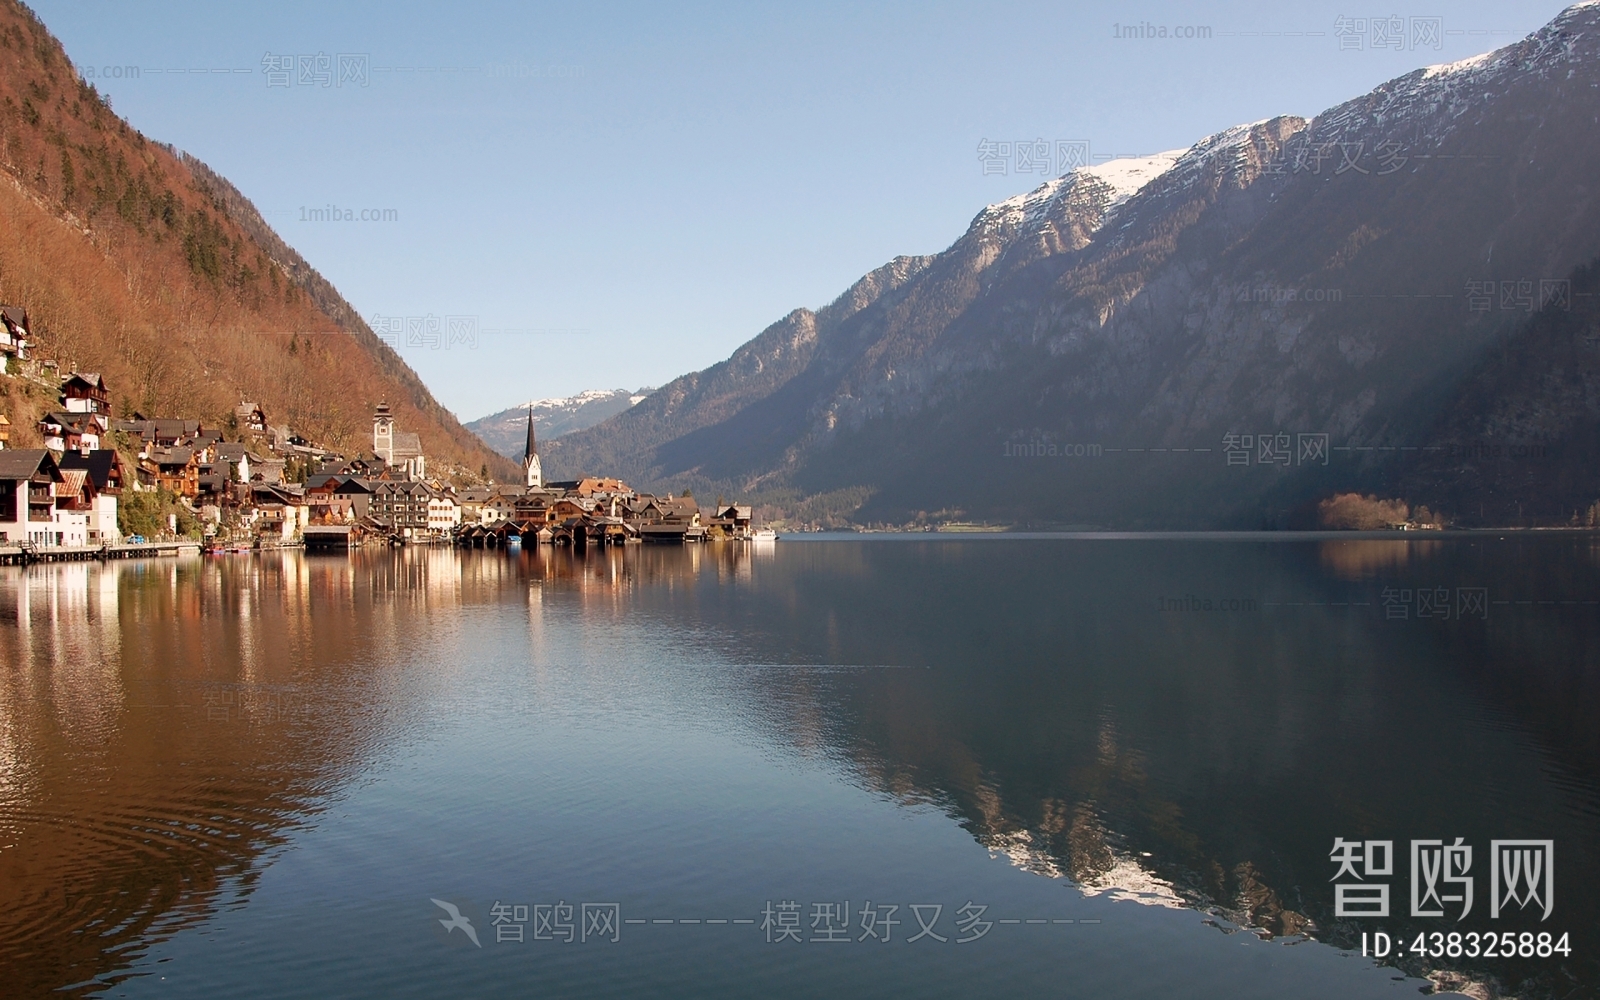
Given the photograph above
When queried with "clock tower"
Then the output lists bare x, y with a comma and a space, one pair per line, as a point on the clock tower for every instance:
383, 433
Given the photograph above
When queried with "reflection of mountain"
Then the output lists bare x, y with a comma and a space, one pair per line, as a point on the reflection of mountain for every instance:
1191, 757
147, 771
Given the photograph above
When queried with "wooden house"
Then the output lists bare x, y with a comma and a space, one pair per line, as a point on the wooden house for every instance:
85, 392
65, 431
14, 333
176, 470
250, 418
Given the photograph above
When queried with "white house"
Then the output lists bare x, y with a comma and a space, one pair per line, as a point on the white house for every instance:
104, 484
444, 514
28, 480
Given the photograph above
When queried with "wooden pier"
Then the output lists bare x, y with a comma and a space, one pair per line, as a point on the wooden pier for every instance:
22, 555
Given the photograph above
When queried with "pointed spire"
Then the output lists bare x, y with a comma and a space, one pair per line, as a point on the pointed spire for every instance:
531, 467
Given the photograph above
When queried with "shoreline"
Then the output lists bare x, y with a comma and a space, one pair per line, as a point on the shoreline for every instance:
1183, 535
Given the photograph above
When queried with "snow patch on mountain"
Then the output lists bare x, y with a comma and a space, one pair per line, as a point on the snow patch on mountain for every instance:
1459, 66
1121, 178
579, 399
1126, 176
507, 431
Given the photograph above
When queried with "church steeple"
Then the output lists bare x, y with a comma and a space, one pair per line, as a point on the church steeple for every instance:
530, 457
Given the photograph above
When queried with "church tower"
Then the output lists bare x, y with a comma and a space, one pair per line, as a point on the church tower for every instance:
530, 458
383, 433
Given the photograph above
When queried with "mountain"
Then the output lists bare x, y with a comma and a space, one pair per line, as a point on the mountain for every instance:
140, 263
1526, 420
506, 431
1098, 350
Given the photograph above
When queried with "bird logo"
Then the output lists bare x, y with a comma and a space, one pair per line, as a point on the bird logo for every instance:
456, 920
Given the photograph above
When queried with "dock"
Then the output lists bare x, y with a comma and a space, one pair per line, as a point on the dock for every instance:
22, 555
327, 537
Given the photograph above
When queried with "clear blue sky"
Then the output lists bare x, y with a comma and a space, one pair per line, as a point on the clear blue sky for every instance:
651, 184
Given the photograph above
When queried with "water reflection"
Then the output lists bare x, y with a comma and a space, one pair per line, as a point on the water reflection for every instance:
1210, 754
1367, 558
166, 725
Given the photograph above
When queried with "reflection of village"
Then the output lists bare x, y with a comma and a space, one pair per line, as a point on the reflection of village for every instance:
167, 672
268, 486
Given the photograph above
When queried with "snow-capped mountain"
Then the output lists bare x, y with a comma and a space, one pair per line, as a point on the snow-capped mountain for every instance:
506, 432
1339, 280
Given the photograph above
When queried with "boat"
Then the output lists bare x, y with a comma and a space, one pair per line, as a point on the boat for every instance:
764, 535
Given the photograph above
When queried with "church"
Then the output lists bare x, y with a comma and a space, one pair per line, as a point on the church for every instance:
534, 472
400, 450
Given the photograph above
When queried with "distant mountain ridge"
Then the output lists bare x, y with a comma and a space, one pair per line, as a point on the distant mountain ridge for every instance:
1320, 283
506, 431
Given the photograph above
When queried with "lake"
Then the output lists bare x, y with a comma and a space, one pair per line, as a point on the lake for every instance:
1096, 766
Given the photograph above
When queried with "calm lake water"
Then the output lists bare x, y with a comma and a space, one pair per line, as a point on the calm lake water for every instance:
891, 766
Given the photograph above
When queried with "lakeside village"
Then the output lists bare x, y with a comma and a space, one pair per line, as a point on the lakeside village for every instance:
61, 501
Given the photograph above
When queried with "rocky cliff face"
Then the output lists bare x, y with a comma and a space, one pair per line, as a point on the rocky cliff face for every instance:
1098, 350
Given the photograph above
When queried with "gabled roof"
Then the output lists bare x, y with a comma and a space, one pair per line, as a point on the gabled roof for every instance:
406, 444
99, 463
70, 421
27, 463
15, 317
160, 427
272, 492
678, 506
73, 480
601, 484
171, 456
91, 379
